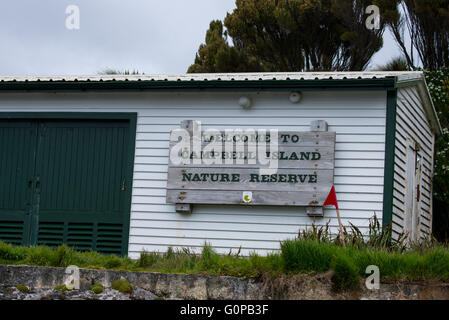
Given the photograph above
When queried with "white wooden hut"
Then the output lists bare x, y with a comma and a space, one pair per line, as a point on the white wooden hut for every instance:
84, 159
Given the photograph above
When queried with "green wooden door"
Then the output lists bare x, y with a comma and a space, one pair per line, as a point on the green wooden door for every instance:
78, 190
17, 161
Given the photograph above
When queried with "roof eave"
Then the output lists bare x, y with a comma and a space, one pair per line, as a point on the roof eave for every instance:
154, 85
424, 93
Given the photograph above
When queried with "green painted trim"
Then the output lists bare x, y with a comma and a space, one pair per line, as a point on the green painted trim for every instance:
208, 85
129, 180
131, 117
69, 115
390, 143
408, 83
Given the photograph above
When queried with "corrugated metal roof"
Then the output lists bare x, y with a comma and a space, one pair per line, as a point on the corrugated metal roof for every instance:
269, 80
284, 76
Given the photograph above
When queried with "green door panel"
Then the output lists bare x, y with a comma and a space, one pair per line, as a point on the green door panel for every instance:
66, 181
81, 167
17, 160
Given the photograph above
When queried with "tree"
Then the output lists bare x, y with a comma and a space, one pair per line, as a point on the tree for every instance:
438, 82
427, 24
291, 35
395, 64
216, 55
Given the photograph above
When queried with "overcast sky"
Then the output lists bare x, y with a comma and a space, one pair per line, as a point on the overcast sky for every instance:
152, 36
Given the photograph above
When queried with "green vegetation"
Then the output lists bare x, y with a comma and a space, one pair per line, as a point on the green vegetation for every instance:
62, 256
23, 288
270, 36
97, 288
122, 285
299, 255
346, 273
438, 82
62, 288
313, 251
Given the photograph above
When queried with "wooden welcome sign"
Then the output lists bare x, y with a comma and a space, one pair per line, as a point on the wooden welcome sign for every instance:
303, 173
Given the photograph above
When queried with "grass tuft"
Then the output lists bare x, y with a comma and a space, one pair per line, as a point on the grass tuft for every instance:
62, 256
345, 273
307, 255
147, 259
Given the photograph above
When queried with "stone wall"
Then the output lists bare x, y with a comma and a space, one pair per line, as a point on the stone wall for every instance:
193, 286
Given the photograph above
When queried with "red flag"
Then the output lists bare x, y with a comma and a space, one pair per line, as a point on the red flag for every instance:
331, 199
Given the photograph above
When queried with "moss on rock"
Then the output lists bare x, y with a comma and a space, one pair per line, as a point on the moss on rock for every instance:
97, 288
62, 288
122, 285
23, 288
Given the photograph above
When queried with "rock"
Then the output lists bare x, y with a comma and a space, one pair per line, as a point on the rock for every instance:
11, 293
142, 294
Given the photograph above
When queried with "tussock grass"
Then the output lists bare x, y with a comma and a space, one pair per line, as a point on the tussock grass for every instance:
313, 251
297, 256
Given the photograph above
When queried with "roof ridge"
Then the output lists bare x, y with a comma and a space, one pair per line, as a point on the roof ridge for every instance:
322, 75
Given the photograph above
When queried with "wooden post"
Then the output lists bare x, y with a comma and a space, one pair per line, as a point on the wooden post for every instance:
321, 125
317, 126
186, 207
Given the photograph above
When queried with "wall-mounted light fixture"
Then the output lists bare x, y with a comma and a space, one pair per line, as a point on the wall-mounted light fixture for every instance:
245, 102
295, 97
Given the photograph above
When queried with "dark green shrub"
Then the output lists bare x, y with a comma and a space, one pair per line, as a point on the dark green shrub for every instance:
122, 285
438, 83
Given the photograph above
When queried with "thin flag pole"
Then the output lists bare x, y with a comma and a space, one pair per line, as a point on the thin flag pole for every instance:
342, 236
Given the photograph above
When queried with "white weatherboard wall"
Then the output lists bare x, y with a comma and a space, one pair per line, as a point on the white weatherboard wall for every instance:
412, 123
358, 117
